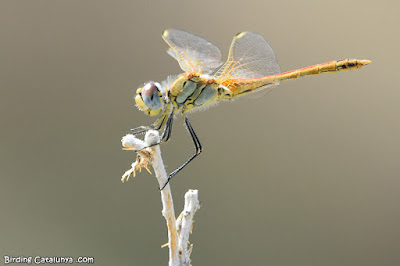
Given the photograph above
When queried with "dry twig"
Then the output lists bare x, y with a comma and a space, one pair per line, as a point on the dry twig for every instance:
178, 230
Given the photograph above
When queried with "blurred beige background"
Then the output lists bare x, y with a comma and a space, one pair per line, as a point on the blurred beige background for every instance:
306, 175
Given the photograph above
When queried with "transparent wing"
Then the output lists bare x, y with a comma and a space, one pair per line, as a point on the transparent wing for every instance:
194, 54
250, 56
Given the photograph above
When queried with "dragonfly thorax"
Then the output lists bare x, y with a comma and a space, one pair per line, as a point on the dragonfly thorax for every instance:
191, 91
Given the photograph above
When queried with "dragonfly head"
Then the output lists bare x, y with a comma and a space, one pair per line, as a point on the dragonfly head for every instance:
149, 98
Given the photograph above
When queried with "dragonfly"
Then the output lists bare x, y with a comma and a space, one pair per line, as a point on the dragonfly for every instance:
250, 67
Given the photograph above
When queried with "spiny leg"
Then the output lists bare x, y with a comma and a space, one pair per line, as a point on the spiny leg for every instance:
166, 132
141, 129
198, 150
155, 126
168, 129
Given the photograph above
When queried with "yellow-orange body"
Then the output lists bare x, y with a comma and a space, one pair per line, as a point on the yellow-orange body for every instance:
251, 66
234, 87
240, 86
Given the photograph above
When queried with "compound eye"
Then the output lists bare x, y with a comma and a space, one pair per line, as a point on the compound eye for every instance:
150, 96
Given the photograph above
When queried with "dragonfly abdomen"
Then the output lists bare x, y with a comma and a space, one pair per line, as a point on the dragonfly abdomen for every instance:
238, 87
329, 67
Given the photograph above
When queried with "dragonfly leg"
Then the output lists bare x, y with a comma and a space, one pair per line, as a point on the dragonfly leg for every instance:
168, 129
159, 122
141, 129
155, 126
198, 150
166, 132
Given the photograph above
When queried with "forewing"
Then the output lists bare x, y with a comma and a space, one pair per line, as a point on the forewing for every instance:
194, 54
250, 56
